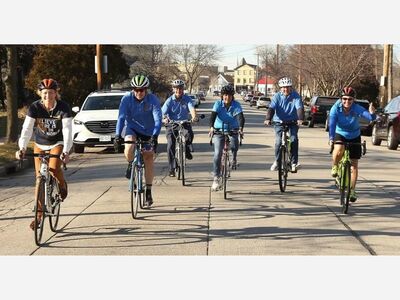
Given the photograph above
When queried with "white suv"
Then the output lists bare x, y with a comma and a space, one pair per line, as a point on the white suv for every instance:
94, 124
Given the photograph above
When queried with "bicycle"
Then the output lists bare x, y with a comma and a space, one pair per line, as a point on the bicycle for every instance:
284, 154
226, 163
180, 147
136, 186
343, 179
48, 197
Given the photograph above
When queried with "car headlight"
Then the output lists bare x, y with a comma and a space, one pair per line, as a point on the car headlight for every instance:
77, 122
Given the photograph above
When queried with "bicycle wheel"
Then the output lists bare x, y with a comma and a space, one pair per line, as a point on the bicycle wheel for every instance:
282, 169
135, 190
225, 173
345, 187
55, 197
39, 210
182, 162
177, 162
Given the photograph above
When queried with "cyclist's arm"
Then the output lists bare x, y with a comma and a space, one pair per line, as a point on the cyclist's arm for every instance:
332, 122
67, 134
121, 116
213, 117
270, 114
157, 115
26, 132
241, 120
193, 113
300, 113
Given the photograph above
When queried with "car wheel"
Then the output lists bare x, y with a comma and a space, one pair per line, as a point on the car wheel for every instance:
79, 148
310, 124
374, 139
326, 125
392, 142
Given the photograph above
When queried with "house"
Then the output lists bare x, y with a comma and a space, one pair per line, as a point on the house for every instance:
220, 81
245, 76
270, 83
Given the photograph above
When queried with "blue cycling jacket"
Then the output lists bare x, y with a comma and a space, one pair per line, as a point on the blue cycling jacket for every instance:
143, 116
227, 116
286, 107
347, 125
177, 110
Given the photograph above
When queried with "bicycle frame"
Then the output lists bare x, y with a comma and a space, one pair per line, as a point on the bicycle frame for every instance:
180, 148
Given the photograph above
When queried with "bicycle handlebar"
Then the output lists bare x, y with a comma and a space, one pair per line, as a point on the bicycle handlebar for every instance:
46, 155
172, 122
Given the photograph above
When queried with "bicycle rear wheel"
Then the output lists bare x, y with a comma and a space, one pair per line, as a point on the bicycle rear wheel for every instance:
282, 169
182, 162
225, 173
345, 187
55, 204
39, 211
135, 190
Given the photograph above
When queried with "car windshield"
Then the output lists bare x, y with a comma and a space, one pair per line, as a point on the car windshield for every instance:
326, 101
102, 102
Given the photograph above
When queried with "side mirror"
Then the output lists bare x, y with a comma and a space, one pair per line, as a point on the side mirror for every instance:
75, 109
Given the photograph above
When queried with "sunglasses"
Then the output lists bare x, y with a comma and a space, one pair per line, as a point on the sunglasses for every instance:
347, 98
139, 90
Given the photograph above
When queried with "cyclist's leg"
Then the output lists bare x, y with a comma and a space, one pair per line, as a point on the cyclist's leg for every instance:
218, 141
337, 153
55, 169
294, 150
234, 144
355, 155
189, 135
37, 150
278, 140
148, 157
129, 150
171, 140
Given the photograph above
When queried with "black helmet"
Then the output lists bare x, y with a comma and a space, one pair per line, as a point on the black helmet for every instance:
228, 90
348, 91
49, 84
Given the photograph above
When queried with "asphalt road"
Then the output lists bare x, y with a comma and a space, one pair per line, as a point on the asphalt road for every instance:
256, 219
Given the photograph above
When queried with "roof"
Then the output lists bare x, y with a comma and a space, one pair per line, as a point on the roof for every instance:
269, 81
243, 62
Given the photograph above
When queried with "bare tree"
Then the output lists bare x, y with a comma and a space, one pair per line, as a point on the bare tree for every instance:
11, 95
327, 68
195, 60
273, 63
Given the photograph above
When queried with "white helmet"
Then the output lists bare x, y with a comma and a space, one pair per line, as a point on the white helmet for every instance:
177, 83
285, 81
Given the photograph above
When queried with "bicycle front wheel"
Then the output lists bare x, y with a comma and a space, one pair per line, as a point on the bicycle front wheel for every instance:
182, 162
55, 196
345, 187
282, 169
135, 186
225, 173
39, 212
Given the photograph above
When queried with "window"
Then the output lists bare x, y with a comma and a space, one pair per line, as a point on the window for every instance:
250, 72
244, 80
238, 80
238, 72
244, 72
250, 80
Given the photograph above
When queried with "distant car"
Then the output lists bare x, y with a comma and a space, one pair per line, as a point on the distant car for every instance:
316, 112
216, 93
248, 97
263, 102
253, 101
195, 100
95, 123
365, 125
387, 125
201, 96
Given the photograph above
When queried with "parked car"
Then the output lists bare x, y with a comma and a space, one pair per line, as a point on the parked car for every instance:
253, 101
195, 100
216, 93
365, 125
263, 102
201, 96
387, 125
95, 123
248, 97
316, 112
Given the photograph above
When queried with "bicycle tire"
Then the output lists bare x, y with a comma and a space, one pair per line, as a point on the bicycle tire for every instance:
177, 162
282, 169
135, 191
39, 224
346, 187
225, 173
55, 213
182, 162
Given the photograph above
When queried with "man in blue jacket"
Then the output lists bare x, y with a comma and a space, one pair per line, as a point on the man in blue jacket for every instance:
140, 116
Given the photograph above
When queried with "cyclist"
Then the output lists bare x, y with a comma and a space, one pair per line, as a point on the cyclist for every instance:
226, 112
177, 108
140, 116
344, 126
53, 121
286, 105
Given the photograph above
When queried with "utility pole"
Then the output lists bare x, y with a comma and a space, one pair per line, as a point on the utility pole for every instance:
299, 75
277, 56
386, 84
256, 85
99, 57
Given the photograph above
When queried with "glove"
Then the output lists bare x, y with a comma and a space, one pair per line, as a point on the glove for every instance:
118, 140
195, 119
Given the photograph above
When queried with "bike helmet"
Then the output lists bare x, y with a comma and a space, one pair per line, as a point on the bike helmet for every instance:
140, 81
178, 83
285, 81
348, 91
228, 89
49, 84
